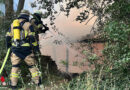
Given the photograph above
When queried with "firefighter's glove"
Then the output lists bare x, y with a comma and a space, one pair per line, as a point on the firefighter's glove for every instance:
46, 28
8, 41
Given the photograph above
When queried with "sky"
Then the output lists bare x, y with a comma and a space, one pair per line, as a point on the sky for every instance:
66, 25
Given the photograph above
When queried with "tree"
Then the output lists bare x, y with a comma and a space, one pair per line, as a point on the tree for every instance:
20, 6
9, 11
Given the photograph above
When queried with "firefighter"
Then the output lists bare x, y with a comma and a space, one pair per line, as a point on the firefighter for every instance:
21, 40
39, 28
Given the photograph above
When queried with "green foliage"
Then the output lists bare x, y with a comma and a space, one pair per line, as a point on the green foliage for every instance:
2, 1
119, 10
117, 50
92, 58
117, 32
1, 13
88, 81
4, 26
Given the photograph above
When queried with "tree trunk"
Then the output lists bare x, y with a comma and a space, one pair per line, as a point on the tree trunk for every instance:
9, 9
20, 6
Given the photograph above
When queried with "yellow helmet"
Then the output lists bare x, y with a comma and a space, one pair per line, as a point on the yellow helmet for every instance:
25, 12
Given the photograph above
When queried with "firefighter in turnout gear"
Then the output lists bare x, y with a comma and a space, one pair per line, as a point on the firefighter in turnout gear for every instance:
21, 40
39, 28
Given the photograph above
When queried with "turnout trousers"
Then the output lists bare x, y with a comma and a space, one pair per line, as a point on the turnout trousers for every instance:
30, 61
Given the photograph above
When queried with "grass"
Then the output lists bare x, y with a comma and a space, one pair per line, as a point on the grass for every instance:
85, 81
53, 80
